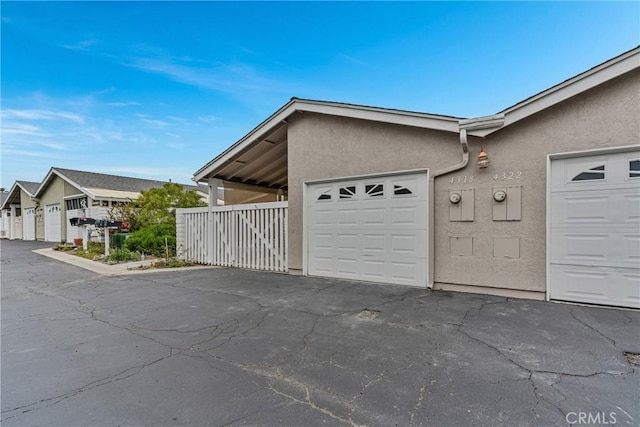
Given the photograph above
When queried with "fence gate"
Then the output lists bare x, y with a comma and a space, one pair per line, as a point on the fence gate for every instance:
246, 236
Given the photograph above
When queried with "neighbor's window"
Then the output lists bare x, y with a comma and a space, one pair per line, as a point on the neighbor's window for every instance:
634, 168
593, 174
76, 203
348, 192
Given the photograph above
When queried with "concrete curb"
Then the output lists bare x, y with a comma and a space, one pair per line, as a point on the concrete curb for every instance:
109, 270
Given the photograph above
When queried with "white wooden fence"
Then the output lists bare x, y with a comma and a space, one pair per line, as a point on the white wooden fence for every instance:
246, 236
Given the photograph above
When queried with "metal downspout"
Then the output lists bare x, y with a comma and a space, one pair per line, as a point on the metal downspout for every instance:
432, 177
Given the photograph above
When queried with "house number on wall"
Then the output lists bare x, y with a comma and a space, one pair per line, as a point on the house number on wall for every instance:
507, 175
461, 179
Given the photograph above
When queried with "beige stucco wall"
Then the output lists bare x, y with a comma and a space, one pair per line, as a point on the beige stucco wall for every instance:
323, 147
603, 117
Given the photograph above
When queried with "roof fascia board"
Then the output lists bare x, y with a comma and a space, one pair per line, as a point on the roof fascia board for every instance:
53, 171
262, 129
481, 126
6, 201
24, 189
16, 185
565, 90
406, 118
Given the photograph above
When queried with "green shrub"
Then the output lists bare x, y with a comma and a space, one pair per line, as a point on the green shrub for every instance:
151, 239
172, 263
94, 251
121, 255
119, 239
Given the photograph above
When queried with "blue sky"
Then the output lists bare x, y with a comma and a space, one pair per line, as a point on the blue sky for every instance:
157, 89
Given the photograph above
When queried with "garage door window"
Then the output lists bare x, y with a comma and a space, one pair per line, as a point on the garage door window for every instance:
634, 169
325, 195
401, 190
374, 190
593, 174
348, 192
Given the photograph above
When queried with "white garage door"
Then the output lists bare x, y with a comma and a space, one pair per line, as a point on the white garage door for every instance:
52, 225
29, 224
372, 229
595, 229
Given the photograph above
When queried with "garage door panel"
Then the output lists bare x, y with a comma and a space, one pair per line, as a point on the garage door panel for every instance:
347, 267
373, 269
594, 230
322, 217
372, 229
322, 241
631, 247
29, 224
606, 248
601, 208
597, 285
406, 272
373, 216
52, 223
374, 243
409, 245
631, 210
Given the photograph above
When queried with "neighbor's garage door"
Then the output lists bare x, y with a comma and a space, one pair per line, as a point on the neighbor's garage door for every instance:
595, 229
372, 229
52, 225
29, 224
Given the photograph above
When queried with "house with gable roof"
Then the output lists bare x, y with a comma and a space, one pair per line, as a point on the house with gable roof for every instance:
540, 200
42, 211
18, 211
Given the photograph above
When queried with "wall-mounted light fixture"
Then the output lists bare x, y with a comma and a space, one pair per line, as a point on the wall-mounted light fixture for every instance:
483, 158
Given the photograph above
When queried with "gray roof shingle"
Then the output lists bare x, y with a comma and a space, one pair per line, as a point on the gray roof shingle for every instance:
114, 182
29, 186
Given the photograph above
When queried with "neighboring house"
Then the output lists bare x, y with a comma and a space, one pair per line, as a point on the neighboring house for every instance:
4, 216
65, 194
19, 211
549, 209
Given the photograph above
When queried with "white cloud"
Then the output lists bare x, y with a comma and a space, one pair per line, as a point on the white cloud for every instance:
41, 154
208, 119
22, 129
42, 115
233, 78
83, 45
122, 104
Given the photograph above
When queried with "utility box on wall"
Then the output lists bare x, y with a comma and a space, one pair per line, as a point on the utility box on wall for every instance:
461, 205
507, 203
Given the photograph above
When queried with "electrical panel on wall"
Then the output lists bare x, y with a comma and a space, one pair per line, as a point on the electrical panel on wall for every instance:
507, 203
461, 206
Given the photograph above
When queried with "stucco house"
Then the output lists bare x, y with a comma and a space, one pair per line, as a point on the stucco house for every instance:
18, 211
540, 200
63, 194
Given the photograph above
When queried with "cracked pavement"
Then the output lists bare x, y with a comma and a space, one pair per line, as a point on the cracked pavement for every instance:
227, 347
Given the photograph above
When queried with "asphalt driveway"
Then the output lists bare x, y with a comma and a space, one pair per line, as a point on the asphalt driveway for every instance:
226, 347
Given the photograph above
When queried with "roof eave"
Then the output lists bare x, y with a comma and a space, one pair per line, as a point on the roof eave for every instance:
583, 82
16, 186
406, 118
53, 171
